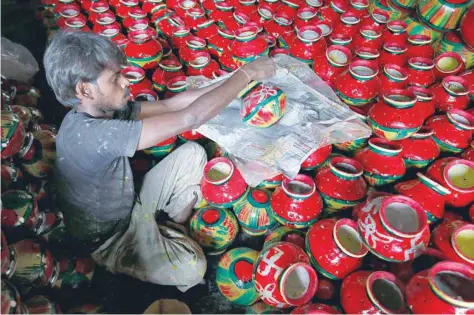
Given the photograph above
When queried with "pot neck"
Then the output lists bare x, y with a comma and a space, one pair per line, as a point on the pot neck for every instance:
432, 185
383, 150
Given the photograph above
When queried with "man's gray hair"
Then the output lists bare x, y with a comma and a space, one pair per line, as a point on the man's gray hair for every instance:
77, 56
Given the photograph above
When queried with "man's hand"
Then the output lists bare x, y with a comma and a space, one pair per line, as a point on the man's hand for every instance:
260, 69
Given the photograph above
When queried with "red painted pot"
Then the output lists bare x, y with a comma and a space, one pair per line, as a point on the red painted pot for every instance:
138, 81
246, 6
326, 289
394, 53
123, 8
184, 6
378, 292
341, 40
190, 135
166, 70
274, 4
168, 23
163, 148
289, 7
194, 17
175, 86
360, 8
368, 37
378, 18
420, 149
202, 64
222, 184
396, 117
467, 154
448, 64
335, 247
179, 37
263, 15
112, 32
306, 16
247, 46
348, 24
283, 276
367, 54
394, 228
451, 93
382, 162
396, 32
453, 131
134, 15
315, 309
420, 46
359, 85
424, 100
220, 42
143, 50
429, 291
280, 24
469, 77
315, 159
341, 184
160, 12
428, 193
333, 11
420, 72
296, 203
272, 182
227, 62
393, 77
336, 61
13, 134
151, 6
103, 19
222, 13
308, 44
67, 11
454, 239
465, 27
39, 153
20, 209
75, 273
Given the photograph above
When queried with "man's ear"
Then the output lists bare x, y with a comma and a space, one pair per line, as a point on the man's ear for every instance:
85, 90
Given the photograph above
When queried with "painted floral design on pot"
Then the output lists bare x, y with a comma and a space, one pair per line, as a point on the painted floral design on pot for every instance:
283, 276
315, 309
13, 134
315, 159
393, 77
421, 72
308, 44
442, 15
420, 46
394, 228
465, 27
382, 161
247, 46
448, 64
394, 53
335, 247
39, 153
336, 61
431, 291
378, 292
341, 184
20, 209
263, 105
359, 85
214, 229
396, 117
451, 93
297, 203
143, 50
272, 182
419, 150
452, 42
222, 184
368, 36
285, 234
162, 148
254, 213
166, 70
428, 193
453, 131
455, 239
234, 276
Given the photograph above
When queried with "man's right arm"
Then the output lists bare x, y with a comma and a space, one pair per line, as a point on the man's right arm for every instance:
159, 128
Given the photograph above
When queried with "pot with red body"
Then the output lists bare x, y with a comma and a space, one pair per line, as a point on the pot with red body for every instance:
432, 291
454, 239
332, 12
39, 153
135, 15
163, 148
103, 19
394, 228
335, 247
317, 308
467, 154
11, 174
247, 46
175, 85
393, 77
151, 6
190, 135
280, 24
112, 31
305, 16
272, 182
246, 6
419, 150
202, 64
220, 42
396, 32
360, 8
378, 18
123, 8
222, 184
396, 117
348, 24
20, 209
283, 276
341, 184
394, 53
143, 50
307, 44
367, 292
424, 100
194, 17
222, 13
68, 11
289, 7
420, 72
137, 79
13, 134
382, 162
451, 93
184, 6
263, 15
420, 46
368, 37
448, 64
166, 70
367, 54
336, 61
206, 29
179, 37
168, 23
465, 27
227, 62
96, 8
193, 45
297, 203
315, 159
452, 131
341, 40
359, 85
428, 193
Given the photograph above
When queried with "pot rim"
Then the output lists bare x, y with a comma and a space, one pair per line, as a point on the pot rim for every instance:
433, 184
246, 29
306, 9
288, 19
363, 5
300, 178
201, 41
180, 4
335, 161
170, 64
461, 268
427, 93
384, 275
137, 25
353, 225
349, 14
254, 200
452, 55
466, 115
380, 12
140, 71
448, 180
364, 63
266, 7
419, 39
310, 289
101, 15
328, 26
99, 7
71, 22
422, 219
214, 162
346, 51
340, 38
195, 12
423, 132
364, 28
395, 67
391, 24
428, 63
109, 27
455, 79
241, 18
137, 13
360, 51
132, 35
400, 104
468, 227
306, 28
68, 7
394, 148
199, 55
388, 46
171, 83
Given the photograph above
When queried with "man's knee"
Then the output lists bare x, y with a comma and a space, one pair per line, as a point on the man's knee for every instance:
193, 150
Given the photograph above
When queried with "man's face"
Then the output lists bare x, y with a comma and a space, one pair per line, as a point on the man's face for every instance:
112, 89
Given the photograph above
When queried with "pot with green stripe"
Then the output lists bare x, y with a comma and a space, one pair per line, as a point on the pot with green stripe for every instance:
247, 46
359, 85
393, 77
143, 50
166, 70
452, 42
420, 149
442, 15
308, 44
382, 162
20, 209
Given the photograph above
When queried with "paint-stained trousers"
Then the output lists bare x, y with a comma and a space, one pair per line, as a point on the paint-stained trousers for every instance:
153, 252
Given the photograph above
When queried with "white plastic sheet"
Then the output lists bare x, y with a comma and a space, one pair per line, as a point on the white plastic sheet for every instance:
17, 61
314, 117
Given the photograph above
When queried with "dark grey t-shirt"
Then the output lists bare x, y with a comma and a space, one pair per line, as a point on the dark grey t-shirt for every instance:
93, 177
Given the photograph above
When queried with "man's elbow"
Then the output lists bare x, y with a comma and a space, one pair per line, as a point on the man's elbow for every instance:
192, 120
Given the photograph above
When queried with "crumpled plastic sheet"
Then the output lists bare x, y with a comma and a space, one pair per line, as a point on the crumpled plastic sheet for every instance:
17, 61
314, 117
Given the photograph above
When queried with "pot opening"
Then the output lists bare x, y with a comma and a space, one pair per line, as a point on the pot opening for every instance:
133, 75
380, 18
306, 15
460, 119
455, 285
346, 168
141, 36
359, 4
399, 98
396, 27
366, 53
314, 3
387, 294
300, 188
297, 283
219, 172
106, 20
349, 19
423, 64
282, 20
402, 217
325, 29
350, 240
110, 32
187, 4
447, 64
394, 73
338, 57
246, 34
370, 33
138, 26
463, 241
70, 12
422, 95
461, 176
363, 71
456, 87
196, 43
211, 216
265, 13
309, 35
394, 49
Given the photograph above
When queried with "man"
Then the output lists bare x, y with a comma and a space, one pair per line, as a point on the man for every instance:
93, 175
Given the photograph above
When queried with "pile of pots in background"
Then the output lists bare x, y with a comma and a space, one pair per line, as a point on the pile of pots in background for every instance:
353, 223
